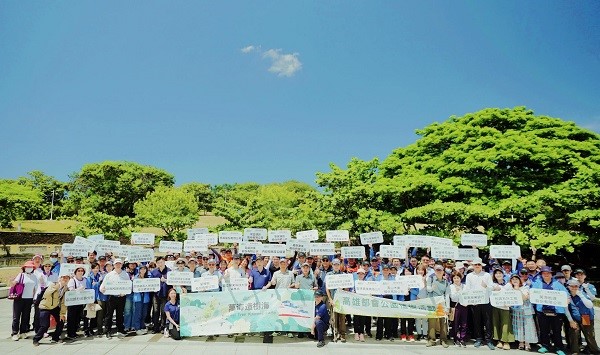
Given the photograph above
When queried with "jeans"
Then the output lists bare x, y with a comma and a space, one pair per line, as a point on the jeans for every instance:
128, 313
139, 315
44, 324
21, 315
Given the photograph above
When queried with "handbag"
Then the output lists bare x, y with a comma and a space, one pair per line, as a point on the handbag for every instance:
16, 291
451, 314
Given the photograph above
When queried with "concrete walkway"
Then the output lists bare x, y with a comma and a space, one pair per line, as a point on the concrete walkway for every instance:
152, 344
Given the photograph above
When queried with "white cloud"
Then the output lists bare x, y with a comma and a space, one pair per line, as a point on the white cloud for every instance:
248, 49
282, 64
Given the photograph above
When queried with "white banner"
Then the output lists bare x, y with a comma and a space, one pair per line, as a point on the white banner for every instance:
447, 252
322, 249
207, 238
548, 297
371, 238
81, 241
126, 249
418, 241
166, 246
467, 254
230, 237
250, 248
94, 238
506, 298
357, 252
146, 285
505, 252
68, 269
192, 231
194, 245
339, 281
118, 287
411, 281
77, 297
141, 255
108, 246
255, 234
277, 236
236, 284
394, 287
142, 238
273, 250
477, 240
206, 283
181, 278
337, 236
368, 287
69, 249
439, 242
301, 246
310, 235
473, 297
392, 251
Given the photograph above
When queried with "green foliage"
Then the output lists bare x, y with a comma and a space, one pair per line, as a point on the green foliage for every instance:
203, 194
15, 200
102, 195
290, 205
53, 192
525, 178
169, 208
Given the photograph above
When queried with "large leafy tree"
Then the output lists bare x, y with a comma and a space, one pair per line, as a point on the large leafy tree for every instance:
203, 194
517, 176
290, 205
53, 193
103, 194
171, 209
15, 200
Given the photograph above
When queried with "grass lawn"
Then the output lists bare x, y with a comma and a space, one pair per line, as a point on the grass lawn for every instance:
67, 226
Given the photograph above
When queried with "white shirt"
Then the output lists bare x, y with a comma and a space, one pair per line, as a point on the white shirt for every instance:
30, 281
474, 281
113, 277
282, 280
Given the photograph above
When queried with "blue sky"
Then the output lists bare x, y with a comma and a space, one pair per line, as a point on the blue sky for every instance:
176, 84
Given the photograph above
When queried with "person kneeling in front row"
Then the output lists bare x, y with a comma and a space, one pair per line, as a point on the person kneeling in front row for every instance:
321, 319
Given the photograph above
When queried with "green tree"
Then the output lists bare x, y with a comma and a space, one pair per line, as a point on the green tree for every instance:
53, 192
203, 193
171, 209
103, 195
290, 205
520, 177
15, 200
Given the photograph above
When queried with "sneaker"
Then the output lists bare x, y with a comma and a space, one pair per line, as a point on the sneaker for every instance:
542, 350
166, 333
15, 337
430, 343
391, 339
411, 338
506, 346
23, 335
403, 337
356, 337
107, 335
139, 332
560, 352
462, 342
36, 343
46, 335
477, 343
290, 335
362, 338
210, 337
342, 339
445, 344
275, 334
491, 346
320, 344
119, 334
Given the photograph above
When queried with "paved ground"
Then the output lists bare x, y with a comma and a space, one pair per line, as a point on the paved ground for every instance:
155, 344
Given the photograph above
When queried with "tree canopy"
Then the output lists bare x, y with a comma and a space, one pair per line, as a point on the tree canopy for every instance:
15, 200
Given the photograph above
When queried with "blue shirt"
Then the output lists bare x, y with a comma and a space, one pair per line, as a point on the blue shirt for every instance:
173, 310
164, 288
321, 311
553, 285
260, 278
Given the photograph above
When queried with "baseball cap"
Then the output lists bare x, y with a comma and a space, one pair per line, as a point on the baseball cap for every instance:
335, 261
319, 293
301, 255
306, 264
237, 256
438, 267
360, 270
579, 271
102, 257
385, 266
559, 275
524, 271
565, 267
506, 262
117, 261
573, 282
54, 253
477, 261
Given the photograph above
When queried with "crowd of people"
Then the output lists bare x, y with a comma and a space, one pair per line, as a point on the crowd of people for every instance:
527, 326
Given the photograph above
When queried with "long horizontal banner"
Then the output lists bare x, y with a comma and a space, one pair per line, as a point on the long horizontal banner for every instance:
365, 305
231, 312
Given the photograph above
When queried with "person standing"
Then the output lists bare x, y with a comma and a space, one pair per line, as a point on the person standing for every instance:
339, 320
501, 322
22, 305
437, 285
160, 297
116, 303
459, 321
550, 318
582, 311
523, 323
482, 313
74, 313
